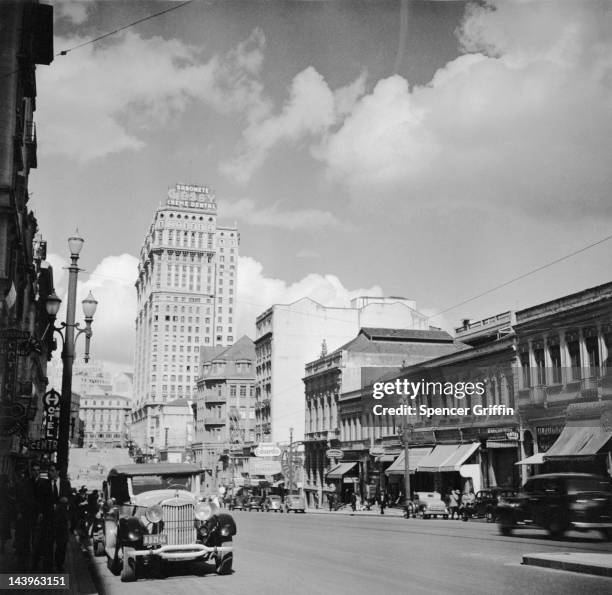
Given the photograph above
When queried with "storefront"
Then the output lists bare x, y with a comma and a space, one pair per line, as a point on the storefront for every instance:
396, 471
345, 479
450, 466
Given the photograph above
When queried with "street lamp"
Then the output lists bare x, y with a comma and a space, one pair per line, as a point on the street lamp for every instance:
53, 302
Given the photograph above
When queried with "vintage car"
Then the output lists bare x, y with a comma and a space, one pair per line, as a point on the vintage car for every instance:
237, 503
430, 504
559, 502
485, 503
253, 503
295, 503
154, 514
273, 503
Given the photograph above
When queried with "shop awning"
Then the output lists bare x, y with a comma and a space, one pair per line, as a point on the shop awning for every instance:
340, 470
536, 459
386, 458
415, 456
583, 438
447, 457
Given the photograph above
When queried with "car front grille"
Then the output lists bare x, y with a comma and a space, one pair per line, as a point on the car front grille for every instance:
178, 523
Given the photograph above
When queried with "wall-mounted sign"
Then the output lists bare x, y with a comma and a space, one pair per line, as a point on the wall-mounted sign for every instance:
267, 449
334, 453
264, 467
51, 412
512, 435
377, 451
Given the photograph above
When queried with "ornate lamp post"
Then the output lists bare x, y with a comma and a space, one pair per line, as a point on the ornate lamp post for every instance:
75, 243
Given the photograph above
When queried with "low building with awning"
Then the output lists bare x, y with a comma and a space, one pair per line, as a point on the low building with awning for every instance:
415, 456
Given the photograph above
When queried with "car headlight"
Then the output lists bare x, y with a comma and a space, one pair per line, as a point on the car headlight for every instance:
134, 530
226, 530
204, 510
154, 514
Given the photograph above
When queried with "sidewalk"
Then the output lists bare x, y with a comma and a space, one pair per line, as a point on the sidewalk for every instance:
76, 565
585, 563
346, 511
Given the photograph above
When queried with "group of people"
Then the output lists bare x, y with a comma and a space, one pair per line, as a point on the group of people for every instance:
42, 511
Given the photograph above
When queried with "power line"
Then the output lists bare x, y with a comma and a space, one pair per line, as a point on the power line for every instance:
142, 20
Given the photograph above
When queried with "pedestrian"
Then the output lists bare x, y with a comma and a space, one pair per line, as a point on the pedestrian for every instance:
382, 503
453, 503
6, 512
353, 501
330, 501
52, 522
26, 513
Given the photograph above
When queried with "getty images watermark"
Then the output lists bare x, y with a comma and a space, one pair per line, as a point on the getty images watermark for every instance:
402, 389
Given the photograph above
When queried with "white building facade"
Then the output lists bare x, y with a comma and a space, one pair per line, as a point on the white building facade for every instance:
186, 292
288, 336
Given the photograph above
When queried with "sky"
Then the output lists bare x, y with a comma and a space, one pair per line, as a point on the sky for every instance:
431, 150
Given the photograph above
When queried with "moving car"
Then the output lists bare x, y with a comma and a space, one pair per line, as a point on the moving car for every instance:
237, 503
295, 503
154, 514
559, 502
485, 503
430, 504
273, 503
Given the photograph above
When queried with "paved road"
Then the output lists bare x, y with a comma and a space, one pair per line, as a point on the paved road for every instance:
341, 554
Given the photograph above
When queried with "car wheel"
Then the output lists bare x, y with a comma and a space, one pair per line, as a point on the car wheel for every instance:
128, 570
556, 529
506, 524
99, 549
224, 561
489, 517
114, 564
445, 517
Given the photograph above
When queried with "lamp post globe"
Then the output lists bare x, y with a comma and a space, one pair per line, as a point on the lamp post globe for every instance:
89, 306
52, 304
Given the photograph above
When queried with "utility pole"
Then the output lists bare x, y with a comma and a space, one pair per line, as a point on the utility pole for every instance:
290, 460
406, 461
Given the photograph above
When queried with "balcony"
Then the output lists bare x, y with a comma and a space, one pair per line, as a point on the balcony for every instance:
593, 388
215, 398
215, 421
31, 144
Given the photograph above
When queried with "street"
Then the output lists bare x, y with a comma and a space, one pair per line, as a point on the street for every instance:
339, 553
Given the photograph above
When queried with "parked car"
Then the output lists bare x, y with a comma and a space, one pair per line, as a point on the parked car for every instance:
295, 503
559, 502
273, 503
237, 503
155, 514
253, 503
430, 504
485, 503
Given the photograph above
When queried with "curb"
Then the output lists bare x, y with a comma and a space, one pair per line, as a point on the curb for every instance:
398, 514
559, 562
82, 580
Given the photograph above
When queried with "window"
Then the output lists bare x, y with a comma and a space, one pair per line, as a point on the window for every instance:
573, 349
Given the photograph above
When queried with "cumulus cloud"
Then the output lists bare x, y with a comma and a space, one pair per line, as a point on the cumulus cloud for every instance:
248, 211
256, 292
112, 284
522, 120
76, 12
141, 81
310, 111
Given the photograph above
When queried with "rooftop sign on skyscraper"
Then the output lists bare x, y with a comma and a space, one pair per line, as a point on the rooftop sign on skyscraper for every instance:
192, 197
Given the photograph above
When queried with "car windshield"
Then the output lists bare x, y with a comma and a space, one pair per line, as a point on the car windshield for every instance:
576, 485
146, 483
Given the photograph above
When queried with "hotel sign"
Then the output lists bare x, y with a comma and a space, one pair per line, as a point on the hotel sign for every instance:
191, 197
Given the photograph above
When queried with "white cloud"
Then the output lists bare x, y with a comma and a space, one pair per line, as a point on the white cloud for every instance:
524, 122
256, 292
112, 284
310, 111
75, 11
248, 211
91, 93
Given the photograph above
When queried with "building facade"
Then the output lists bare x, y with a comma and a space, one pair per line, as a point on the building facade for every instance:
186, 291
225, 412
565, 383
25, 279
334, 417
288, 336
106, 420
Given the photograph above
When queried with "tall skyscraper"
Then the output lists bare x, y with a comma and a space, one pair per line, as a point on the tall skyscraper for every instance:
186, 292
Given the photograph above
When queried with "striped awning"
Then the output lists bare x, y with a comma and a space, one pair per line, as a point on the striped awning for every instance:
448, 457
415, 456
340, 470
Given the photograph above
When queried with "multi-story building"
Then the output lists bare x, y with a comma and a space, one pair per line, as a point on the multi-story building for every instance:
25, 280
186, 292
225, 411
565, 382
340, 376
288, 336
106, 420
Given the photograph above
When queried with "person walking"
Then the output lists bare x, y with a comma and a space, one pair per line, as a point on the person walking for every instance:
453, 503
353, 502
382, 501
26, 509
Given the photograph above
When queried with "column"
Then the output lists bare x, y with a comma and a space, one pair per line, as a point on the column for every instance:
532, 365
603, 349
584, 360
548, 371
565, 359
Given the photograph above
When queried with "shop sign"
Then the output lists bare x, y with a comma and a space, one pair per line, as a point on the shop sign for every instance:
334, 453
51, 411
44, 445
264, 467
267, 449
377, 451
512, 435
